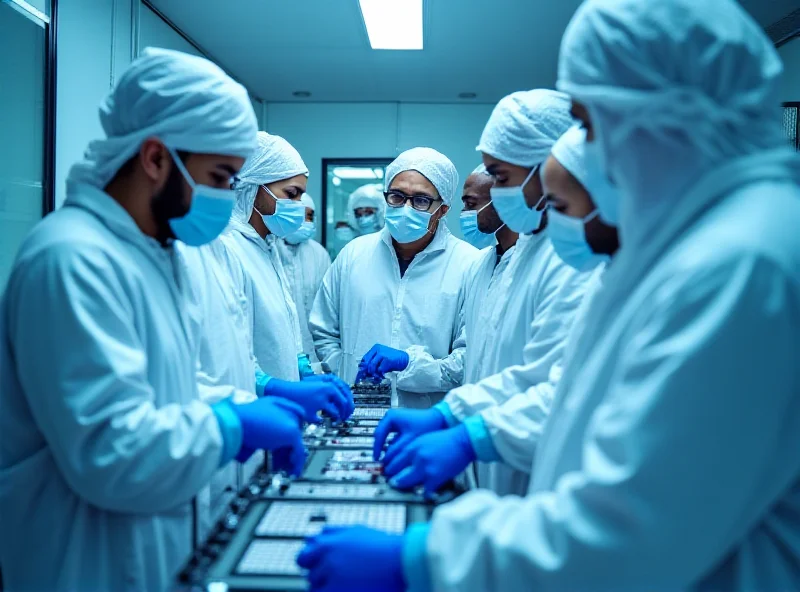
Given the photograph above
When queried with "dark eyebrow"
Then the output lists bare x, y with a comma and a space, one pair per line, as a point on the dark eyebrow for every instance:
231, 171
492, 169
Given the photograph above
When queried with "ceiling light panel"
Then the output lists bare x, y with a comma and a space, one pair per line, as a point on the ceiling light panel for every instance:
354, 173
393, 24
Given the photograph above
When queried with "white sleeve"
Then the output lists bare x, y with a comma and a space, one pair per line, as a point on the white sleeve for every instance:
83, 371
681, 460
324, 318
322, 263
557, 301
211, 392
426, 374
516, 426
199, 262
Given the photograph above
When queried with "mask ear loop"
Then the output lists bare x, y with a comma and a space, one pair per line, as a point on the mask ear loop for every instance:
529, 177
483, 208
180, 166
591, 216
428, 230
528, 180
272, 195
256, 197
543, 198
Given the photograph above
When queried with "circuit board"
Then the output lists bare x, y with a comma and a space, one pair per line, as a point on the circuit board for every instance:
374, 413
255, 545
271, 557
367, 394
304, 519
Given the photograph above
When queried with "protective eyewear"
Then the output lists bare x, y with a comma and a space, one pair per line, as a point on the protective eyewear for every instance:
397, 199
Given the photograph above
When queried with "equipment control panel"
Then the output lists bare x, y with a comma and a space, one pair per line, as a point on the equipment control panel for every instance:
255, 544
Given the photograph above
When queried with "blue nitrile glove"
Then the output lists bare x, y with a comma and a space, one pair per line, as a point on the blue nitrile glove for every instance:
432, 460
324, 393
381, 359
341, 385
408, 424
270, 424
354, 559
282, 460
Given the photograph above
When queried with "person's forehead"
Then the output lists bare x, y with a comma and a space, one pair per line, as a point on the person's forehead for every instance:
412, 182
556, 178
232, 164
297, 181
478, 185
560, 182
490, 161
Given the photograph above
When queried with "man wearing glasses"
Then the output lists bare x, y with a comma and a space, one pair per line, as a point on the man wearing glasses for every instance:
393, 300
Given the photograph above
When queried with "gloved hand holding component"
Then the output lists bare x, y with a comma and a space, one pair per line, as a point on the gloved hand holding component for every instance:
326, 393
379, 360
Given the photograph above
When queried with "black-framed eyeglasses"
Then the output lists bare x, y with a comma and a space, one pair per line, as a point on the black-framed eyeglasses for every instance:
397, 199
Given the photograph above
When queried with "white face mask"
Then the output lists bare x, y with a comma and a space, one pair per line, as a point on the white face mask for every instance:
406, 224
513, 209
344, 234
367, 224
288, 217
568, 236
302, 234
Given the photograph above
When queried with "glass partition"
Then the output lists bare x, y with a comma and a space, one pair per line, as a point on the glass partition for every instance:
24, 121
342, 178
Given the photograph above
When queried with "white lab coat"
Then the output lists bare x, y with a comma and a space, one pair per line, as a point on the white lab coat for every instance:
516, 426
516, 325
364, 301
483, 285
305, 264
669, 457
104, 439
226, 361
271, 310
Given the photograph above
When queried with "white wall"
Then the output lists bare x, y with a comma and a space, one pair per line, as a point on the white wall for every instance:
94, 48
379, 130
790, 86
154, 32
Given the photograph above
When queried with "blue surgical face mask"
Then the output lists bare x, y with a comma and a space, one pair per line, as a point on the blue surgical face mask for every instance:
302, 234
344, 234
471, 232
597, 183
208, 215
513, 209
568, 236
406, 224
368, 223
288, 217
